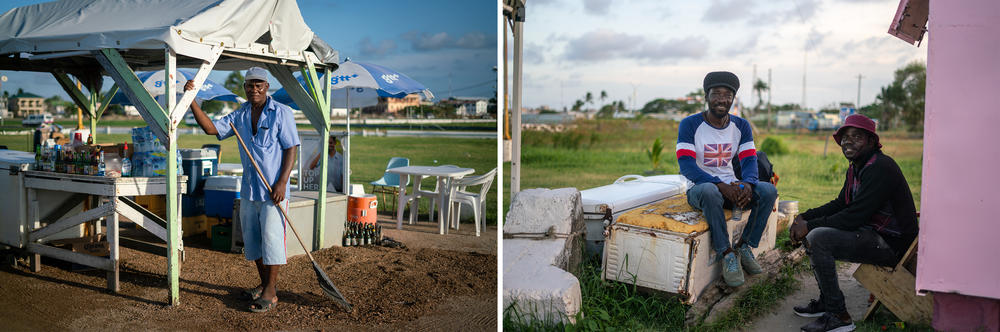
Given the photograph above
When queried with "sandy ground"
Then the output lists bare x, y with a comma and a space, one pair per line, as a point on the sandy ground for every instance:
783, 319
438, 282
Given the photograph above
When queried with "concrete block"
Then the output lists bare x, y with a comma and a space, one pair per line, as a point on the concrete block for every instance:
534, 284
540, 210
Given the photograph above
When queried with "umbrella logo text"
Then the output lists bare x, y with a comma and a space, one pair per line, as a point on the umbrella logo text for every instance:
390, 78
342, 78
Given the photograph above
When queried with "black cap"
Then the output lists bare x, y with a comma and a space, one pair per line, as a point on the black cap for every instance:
721, 78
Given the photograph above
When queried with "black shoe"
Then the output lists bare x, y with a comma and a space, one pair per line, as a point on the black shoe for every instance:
829, 323
813, 309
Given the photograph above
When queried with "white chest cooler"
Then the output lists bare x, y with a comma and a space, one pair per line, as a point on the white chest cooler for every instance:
626, 193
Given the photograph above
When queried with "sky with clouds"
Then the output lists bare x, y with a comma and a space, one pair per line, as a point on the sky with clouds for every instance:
449, 46
662, 49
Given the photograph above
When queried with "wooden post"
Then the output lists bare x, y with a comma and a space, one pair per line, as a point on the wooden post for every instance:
112, 229
173, 208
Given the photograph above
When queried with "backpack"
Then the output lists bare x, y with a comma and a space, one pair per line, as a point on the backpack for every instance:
765, 170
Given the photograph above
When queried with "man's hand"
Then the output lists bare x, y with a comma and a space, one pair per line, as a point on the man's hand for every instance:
729, 192
744, 195
798, 231
278, 192
189, 85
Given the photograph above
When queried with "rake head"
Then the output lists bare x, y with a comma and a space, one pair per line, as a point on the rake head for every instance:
328, 288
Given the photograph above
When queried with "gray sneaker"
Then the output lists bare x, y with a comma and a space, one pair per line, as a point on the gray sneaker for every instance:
747, 260
731, 271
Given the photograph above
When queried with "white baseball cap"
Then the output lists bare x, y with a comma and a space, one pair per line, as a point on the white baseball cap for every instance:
256, 73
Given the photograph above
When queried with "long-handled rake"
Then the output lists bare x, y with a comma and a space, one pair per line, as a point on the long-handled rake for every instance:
324, 281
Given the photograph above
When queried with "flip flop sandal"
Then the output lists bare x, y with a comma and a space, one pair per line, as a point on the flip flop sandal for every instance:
262, 305
253, 293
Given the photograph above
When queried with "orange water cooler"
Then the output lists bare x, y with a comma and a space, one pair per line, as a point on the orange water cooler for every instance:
361, 209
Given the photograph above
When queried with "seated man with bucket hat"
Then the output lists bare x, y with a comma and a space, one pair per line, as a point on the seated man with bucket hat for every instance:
273, 139
872, 221
706, 145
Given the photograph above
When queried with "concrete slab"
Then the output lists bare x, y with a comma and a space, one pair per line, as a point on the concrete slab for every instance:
535, 211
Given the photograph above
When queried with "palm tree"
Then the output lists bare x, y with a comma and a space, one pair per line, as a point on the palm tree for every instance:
604, 95
589, 98
759, 87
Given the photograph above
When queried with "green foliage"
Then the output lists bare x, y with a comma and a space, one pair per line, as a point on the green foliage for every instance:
234, 83
774, 146
654, 152
567, 140
903, 99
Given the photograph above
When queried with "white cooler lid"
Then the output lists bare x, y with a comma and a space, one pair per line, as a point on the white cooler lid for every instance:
223, 182
15, 158
624, 194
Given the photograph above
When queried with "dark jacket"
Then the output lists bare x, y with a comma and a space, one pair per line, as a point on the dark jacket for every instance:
882, 200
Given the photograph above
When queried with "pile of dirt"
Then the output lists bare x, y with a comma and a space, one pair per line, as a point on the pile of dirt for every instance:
390, 288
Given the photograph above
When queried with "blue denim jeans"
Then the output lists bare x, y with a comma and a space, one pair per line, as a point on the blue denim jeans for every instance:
826, 245
707, 198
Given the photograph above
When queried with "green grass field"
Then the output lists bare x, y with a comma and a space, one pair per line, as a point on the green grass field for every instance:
596, 152
608, 149
368, 160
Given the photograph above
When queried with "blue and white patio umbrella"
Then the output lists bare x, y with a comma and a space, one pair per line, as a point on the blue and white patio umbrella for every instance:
153, 82
359, 97
362, 78
350, 77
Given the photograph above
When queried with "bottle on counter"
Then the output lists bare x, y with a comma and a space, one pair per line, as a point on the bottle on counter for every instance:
101, 167
126, 163
38, 157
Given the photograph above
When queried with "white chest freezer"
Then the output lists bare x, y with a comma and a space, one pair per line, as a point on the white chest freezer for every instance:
14, 203
605, 203
678, 259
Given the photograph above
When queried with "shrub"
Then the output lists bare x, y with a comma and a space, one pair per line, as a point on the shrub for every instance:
774, 146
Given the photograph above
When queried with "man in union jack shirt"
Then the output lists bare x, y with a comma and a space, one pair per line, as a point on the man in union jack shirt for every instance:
706, 145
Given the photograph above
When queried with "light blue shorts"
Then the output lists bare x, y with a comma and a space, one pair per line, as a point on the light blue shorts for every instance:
263, 231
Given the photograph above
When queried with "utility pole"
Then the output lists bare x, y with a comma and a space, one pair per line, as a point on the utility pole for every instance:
857, 105
753, 83
450, 94
562, 95
769, 89
634, 86
805, 54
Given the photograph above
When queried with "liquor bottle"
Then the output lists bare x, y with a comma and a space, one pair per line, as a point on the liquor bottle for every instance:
38, 157
101, 168
378, 235
371, 235
368, 236
354, 238
126, 163
90, 139
344, 240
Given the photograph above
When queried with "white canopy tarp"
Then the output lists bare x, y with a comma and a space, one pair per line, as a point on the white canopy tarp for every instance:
190, 27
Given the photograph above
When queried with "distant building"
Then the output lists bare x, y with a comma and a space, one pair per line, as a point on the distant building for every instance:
472, 108
389, 105
24, 104
3, 107
130, 110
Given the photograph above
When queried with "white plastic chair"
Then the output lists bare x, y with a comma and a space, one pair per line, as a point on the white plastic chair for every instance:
476, 200
414, 198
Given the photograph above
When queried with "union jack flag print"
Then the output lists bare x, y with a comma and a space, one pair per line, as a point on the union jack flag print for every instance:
718, 155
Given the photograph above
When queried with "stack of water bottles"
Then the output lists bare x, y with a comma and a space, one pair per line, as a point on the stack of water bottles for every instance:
150, 156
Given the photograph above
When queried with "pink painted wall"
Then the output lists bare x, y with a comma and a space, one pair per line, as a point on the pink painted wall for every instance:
960, 194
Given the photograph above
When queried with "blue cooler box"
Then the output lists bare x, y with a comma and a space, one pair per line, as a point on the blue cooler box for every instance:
197, 164
220, 191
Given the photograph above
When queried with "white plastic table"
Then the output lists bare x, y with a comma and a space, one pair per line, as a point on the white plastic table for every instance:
444, 174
